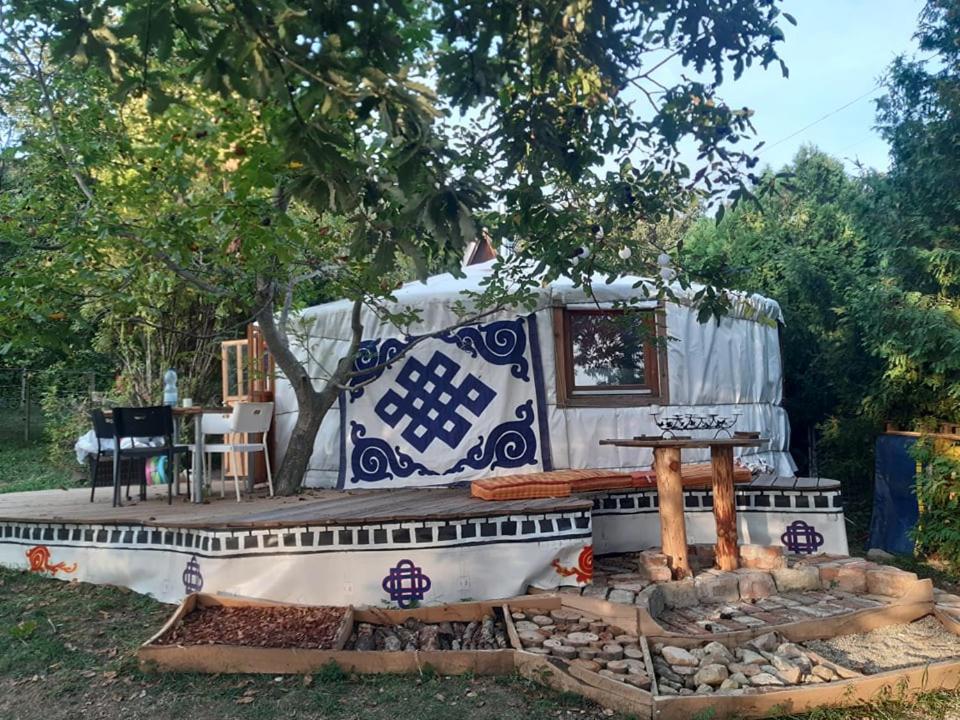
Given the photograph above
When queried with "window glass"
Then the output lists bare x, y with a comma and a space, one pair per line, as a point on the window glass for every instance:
609, 349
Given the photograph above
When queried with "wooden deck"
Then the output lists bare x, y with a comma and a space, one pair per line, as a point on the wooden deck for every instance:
315, 506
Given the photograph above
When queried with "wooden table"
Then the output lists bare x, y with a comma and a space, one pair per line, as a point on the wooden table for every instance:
666, 466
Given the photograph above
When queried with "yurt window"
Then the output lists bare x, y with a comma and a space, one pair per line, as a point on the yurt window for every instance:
607, 357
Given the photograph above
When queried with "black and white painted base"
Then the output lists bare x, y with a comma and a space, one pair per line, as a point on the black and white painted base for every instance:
804, 515
395, 564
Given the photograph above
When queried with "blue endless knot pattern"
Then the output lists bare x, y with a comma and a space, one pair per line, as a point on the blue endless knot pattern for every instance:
801, 538
406, 584
432, 402
192, 579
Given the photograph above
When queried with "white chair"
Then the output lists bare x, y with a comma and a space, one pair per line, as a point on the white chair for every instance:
247, 417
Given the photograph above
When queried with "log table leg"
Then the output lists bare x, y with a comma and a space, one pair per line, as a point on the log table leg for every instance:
673, 530
724, 510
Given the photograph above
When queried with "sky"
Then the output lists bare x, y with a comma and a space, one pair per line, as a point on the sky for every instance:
836, 54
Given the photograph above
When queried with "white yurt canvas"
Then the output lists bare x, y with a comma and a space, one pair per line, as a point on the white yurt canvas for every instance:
526, 391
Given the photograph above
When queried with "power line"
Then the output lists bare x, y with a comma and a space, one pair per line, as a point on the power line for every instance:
880, 84
822, 118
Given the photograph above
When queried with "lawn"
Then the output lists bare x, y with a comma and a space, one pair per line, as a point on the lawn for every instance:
28, 468
67, 651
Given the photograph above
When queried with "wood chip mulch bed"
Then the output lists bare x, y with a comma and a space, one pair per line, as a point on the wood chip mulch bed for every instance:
274, 627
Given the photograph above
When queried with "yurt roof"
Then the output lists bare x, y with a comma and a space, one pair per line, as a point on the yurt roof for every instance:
441, 290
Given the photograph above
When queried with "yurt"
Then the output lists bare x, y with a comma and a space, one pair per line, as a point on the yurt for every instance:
532, 390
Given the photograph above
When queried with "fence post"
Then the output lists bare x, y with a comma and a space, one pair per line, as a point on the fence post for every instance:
25, 400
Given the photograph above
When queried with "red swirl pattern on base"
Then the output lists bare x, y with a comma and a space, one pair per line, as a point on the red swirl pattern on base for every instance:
39, 559
583, 572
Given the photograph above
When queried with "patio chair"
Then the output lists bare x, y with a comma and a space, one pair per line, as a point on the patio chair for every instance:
246, 418
144, 422
103, 429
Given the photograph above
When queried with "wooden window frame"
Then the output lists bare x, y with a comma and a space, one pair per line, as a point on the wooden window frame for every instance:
655, 365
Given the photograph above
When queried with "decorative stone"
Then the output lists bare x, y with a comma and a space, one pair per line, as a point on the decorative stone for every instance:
680, 594
596, 591
624, 597
748, 621
685, 670
678, 656
738, 678
796, 579
652, 558
652, 600
848, 577
765, 680
762, 557
729, 684
880, 556
667, 690
786, 669
703, 690
712, 675
745, 670
755, 584
640, 680
768, 642
823, 672
749, 657
889, 581
717, 587
718, 650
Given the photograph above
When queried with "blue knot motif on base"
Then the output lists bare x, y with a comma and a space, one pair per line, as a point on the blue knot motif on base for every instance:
192, 579
801, 538
406, 584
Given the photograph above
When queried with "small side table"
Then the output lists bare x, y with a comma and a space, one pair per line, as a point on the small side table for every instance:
666, 466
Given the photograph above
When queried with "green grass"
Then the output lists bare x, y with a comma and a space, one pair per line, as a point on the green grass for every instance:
29, 468
67, 650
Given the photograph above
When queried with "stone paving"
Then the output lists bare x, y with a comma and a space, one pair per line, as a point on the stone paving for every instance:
770, 589
773, 610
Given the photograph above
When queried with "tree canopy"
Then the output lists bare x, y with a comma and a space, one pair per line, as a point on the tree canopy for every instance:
262, 153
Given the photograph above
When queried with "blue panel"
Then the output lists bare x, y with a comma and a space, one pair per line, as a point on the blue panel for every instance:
894, 502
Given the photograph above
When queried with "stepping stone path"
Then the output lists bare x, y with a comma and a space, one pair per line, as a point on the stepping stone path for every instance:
767, 661
586, 642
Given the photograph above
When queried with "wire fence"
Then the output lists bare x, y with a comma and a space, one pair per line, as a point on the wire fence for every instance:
22, 391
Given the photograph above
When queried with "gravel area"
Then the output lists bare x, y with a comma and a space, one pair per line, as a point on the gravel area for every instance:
891, 647
277, 627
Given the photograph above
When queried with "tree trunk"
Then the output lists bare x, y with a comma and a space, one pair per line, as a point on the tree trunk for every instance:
289, 477
313, 405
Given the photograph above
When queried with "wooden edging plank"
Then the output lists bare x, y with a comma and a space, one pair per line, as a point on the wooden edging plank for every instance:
648, 661
897, 684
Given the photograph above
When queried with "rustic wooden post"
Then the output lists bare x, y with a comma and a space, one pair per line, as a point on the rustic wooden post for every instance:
724, 510
673, 530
